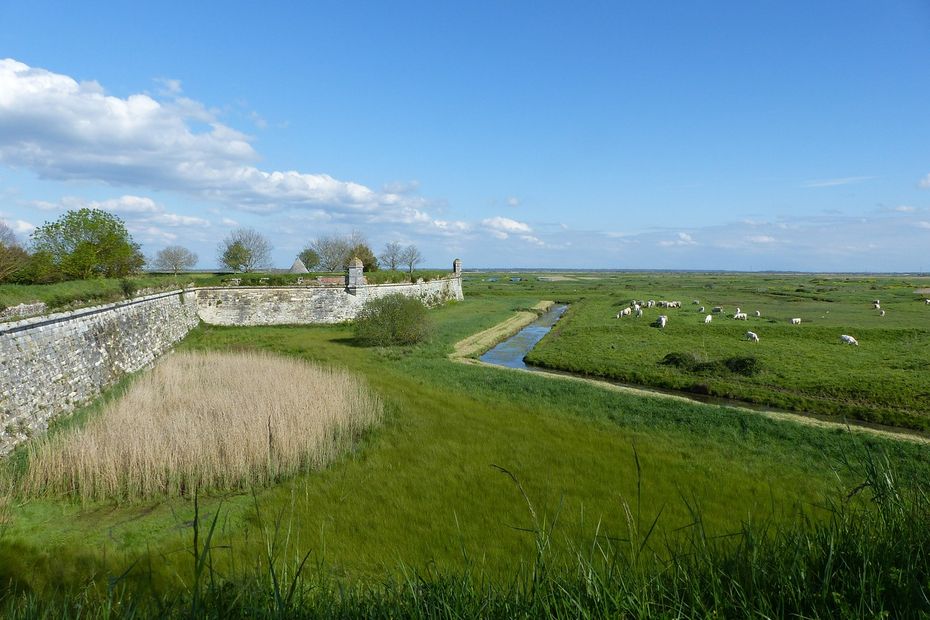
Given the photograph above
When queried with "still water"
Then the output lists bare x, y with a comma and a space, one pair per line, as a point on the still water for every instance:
510, 352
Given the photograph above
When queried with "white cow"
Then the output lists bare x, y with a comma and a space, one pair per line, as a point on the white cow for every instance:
701, 310
882, 313
752, 336
651, 303
639, 312
741, 316
695, 302
876, 306
758, 314
662, 321
927, 301
795, 321
849, 340
625, 312
738, 310
876, 301
708, 319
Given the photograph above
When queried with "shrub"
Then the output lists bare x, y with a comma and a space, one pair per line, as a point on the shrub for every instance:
128, 287
392, 319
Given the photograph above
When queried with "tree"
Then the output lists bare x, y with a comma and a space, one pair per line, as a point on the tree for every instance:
88, 243
390, 256
12, 255
309, 258
244, 249
333, 251
175, 258
392, 319
369, 261
411, 257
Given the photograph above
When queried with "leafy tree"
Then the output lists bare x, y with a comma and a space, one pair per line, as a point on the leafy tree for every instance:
411, 257
244, 249
392, 319
88, 243
175, 258
12, 255
390, 256
369, 261
309, 258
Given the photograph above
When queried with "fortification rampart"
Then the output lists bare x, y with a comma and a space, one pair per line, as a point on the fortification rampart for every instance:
52, 364
295, 305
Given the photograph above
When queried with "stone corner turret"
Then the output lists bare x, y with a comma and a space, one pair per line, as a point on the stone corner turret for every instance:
457, 267
355, 275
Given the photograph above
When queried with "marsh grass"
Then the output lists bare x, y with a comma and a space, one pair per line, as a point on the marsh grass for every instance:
868, 559
206, 421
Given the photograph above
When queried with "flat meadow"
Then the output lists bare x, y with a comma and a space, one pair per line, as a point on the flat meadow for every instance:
489, 488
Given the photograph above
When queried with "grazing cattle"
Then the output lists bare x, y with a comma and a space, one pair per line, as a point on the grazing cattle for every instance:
849, 340
716, 309
876, 306
882, 313
738, 310
758, 314
927, 301
752, 336
662, 321
701, 310
625, 312
639, 312
708, 319
741, 316
795, 321
876, 301
651, 303
695, 302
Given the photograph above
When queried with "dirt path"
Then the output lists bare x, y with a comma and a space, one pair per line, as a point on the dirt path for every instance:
467, 349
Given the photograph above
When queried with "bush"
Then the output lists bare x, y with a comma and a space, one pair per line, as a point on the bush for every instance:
747, 366
392, 319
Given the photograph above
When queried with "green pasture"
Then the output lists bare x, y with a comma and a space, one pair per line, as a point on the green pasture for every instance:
803, 367
423, 491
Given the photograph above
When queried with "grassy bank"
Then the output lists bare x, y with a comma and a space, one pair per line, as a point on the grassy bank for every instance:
802, 367
421, 495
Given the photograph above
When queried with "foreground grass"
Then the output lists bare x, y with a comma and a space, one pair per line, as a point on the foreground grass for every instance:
420, 497
866, 560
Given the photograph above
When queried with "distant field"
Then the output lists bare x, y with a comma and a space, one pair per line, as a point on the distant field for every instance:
802, 367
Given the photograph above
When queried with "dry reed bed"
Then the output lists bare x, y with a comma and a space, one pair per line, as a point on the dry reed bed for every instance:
207, 420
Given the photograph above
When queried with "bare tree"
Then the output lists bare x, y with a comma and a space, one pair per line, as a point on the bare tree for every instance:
174, 258
410, 257
12, 255
244, 249
333, 251
390, 256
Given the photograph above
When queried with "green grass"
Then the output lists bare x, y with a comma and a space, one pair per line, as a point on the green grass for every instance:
804, 367
422, 492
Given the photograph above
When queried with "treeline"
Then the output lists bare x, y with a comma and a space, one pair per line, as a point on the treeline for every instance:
91, 243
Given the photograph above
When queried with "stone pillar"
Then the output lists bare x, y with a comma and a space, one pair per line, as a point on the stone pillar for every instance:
457, 267
355, 276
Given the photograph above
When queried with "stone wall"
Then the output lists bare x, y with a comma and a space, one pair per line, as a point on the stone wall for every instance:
309, 305
52, 364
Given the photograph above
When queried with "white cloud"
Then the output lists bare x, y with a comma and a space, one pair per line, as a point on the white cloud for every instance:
502, 227
681, 239
533, 240
513, 201
20, 227
904, 209
64, 129
835, 182
924, 182
923, 224
229, 222
761, 239
138, 211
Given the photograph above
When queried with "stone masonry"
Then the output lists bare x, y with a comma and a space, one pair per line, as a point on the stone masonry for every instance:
52, 364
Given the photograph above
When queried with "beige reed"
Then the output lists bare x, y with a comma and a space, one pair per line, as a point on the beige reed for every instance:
207, 421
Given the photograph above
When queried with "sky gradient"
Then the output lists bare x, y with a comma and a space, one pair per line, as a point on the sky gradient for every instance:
743, 136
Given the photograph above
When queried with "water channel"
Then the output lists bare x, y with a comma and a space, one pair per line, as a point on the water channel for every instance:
510, 353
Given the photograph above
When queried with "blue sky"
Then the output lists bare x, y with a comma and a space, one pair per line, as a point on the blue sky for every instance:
763, 135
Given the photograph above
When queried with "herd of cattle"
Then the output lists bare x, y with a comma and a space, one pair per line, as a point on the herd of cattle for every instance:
635, 309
